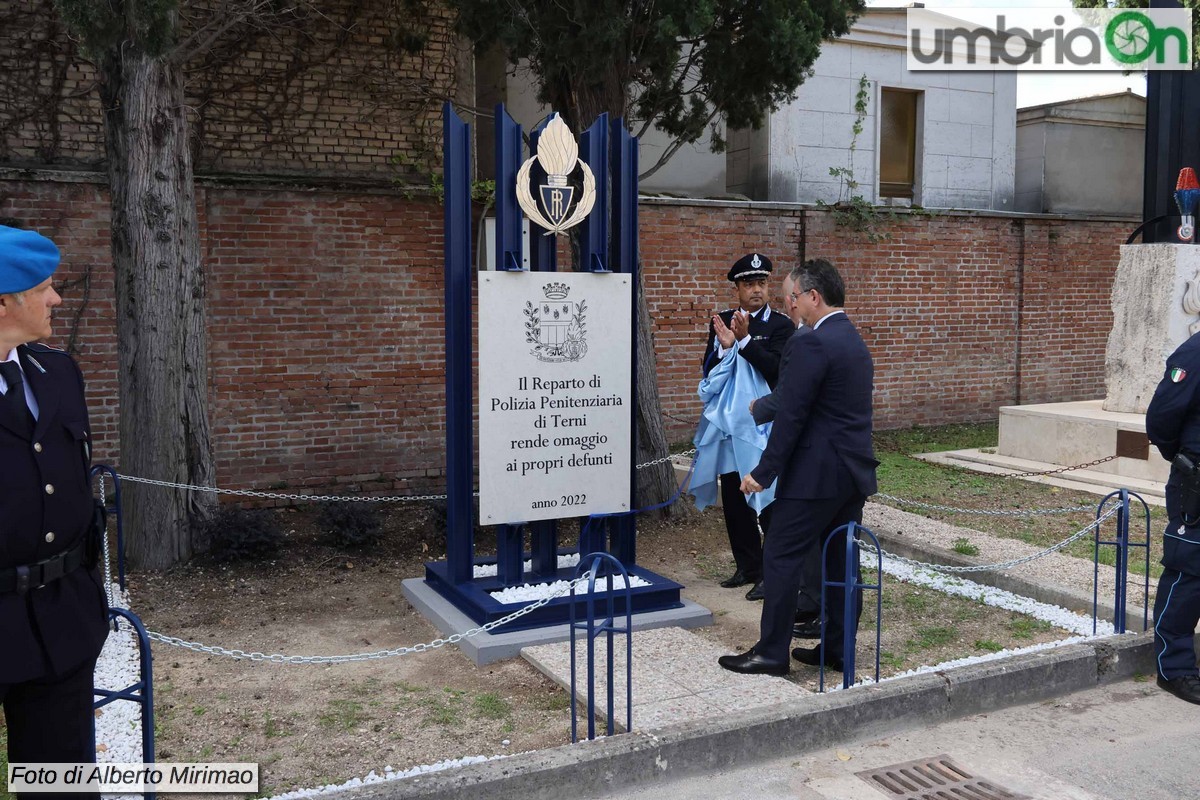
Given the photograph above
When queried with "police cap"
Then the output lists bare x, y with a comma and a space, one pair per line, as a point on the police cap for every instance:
750, 267
26, 259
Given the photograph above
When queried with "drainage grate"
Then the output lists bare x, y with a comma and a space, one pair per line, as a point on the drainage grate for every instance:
936, 778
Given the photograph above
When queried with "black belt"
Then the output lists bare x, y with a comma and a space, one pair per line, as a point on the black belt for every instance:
35, 576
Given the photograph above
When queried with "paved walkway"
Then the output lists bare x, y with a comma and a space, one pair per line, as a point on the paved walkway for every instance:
675, 678
1116, 742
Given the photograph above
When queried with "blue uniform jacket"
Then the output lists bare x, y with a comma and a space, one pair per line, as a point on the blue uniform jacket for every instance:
1173, 425
46, 508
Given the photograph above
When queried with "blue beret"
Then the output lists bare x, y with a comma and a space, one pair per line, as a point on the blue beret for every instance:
26, 259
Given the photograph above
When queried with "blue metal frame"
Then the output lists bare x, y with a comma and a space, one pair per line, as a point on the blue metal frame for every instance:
141, 692
1122, 544
460, 457
115, 510
454, 578
592, 563
852, 585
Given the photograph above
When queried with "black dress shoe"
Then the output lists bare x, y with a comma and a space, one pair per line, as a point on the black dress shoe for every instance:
756, 592
751, 663
807, 629
812, 657
735, 580
1185, 687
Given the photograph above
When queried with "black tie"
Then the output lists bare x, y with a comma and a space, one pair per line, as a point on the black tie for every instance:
14, 398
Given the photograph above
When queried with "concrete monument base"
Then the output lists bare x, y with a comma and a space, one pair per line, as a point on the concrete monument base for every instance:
1037, 438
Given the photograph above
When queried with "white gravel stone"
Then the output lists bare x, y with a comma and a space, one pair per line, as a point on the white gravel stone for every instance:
490, 570
529, 593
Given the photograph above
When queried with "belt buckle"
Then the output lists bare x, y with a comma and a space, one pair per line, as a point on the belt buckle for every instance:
22, 579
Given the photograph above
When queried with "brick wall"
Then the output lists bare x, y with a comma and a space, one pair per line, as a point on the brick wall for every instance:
343, 92
326, 331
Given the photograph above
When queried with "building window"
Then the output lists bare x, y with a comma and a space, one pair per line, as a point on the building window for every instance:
898, 142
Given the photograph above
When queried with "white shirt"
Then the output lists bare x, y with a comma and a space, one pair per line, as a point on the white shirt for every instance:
30, 400
745, 340
827, 316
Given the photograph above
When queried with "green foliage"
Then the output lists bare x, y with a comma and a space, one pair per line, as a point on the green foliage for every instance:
852, 210
674, 62
103, 26
988, 645
350, 524
963, 546
239, 534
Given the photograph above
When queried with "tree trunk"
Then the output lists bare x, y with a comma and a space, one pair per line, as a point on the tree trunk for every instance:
161, 346
657, 483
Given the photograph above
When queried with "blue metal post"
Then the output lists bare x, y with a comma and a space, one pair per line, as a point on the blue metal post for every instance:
1122, 564
543, 257
593, 244
592, 563
114, 508
460, 550
851, 585
141, 692
624, 162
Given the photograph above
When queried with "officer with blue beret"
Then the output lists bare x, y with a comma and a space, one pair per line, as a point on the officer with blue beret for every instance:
1173, 425
53, 613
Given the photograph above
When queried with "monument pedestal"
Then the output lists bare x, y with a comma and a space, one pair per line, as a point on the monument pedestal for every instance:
1156, 307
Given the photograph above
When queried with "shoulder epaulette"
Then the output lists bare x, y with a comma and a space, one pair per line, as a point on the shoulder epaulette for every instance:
38, 347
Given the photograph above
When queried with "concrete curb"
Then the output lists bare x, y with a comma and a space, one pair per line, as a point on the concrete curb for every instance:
642, 758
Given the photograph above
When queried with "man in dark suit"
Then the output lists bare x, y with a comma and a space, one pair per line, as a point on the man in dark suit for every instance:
53, 614
759, 335
821, 457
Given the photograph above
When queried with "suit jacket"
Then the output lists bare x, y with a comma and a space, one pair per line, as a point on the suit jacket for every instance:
824, 417
767, 339
46, 491
767, 406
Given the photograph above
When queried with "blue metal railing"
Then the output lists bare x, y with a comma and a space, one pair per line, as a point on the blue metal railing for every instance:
113, 508
1122, 545
852, 586
141, 692
593, 563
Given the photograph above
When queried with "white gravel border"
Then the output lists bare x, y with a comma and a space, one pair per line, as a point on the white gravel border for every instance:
529, 593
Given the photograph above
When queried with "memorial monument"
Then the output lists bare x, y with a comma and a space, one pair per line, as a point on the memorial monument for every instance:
555, 399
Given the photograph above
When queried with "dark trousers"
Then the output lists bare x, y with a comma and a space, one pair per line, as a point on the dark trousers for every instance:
1176, 611
792, 558
742, 525
50, 719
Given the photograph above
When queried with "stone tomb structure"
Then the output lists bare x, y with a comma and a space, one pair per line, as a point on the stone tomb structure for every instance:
1155, 307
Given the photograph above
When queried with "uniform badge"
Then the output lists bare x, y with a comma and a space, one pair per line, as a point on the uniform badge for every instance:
1178, 374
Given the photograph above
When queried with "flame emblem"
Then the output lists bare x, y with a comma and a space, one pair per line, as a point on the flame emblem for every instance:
557, 153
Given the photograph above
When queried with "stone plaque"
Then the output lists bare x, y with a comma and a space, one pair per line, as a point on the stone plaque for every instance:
555, 390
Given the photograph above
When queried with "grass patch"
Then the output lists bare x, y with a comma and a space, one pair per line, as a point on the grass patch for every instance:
988, 646
927, 638
1026, 627
341, 715
963, 546
491, 706
909, 478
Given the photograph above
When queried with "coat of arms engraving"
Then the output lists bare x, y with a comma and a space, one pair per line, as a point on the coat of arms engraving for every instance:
556, 326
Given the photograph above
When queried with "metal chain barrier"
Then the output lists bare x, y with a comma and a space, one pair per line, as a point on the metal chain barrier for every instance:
1003, 565
277, 658
1028, 512
108, 593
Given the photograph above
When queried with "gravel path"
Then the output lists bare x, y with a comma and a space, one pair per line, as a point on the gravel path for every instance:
1054, 569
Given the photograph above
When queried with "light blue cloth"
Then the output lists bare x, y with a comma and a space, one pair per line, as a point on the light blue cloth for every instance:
727, 440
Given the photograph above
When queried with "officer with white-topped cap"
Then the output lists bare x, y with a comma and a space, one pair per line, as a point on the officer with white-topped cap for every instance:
759, 334
53, 614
